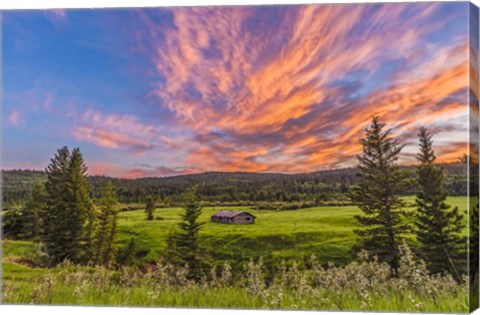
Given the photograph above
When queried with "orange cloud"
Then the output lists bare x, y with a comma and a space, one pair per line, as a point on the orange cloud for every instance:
292, 89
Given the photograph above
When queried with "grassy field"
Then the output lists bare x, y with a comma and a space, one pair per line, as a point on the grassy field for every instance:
326, 232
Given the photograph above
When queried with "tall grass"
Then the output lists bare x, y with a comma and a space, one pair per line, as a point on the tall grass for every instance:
365, 284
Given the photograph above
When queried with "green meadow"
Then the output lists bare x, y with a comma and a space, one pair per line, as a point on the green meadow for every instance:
326, 232
276, 236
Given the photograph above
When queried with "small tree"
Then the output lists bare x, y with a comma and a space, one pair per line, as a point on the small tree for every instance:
171, 253
377, 195
12, 223
126, 256
438, 226
32, 212
184, 245
106, 227
150, 207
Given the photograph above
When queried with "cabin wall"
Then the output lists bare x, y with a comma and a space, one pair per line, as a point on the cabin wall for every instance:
239, 219
243, 219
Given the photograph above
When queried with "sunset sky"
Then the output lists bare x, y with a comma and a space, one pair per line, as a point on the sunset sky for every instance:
162, 92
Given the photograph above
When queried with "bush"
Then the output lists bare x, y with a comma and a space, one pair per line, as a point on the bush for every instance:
365, 284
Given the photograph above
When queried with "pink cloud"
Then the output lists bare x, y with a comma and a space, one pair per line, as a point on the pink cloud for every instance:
110, 139
125, 132
103, 168
157, 171
14, 117
96, 167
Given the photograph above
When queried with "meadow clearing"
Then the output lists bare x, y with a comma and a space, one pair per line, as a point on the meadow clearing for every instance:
276, 236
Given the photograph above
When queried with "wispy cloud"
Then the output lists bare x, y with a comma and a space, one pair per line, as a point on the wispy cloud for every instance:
113, 131
292, 88
142, 170
158, 171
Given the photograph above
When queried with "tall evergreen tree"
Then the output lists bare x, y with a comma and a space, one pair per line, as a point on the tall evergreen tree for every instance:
80, 203
438, 226
185, 241
32, 212
377, 194
67, 207
55, 230
150, 207
106, 227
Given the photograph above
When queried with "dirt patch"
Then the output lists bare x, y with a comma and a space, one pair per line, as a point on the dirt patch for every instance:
24, 262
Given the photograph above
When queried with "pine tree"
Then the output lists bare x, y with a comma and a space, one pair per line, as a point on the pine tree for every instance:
377, 195
438, 227
185, 242
55, 231
32, 212
80, 203
126, 256
89, 233
106, 228
171, 253
150, 207
67, 207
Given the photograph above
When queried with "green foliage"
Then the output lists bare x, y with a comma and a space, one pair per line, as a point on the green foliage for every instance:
473, 254
184, 244
360, 285
378, 196
67, 207
474, 239
438, 227
131, 255
32, 212
17, 185
150, 207
25, 222
12, 223
473, 223
106, 228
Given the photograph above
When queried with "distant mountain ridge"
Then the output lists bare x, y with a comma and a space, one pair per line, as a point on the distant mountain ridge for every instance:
225, 186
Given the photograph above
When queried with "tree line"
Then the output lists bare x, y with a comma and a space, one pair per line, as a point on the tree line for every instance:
217, 188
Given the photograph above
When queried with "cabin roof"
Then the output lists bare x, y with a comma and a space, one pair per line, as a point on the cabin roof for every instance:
230, 214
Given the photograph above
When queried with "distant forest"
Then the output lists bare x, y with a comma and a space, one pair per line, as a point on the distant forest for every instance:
327, 187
